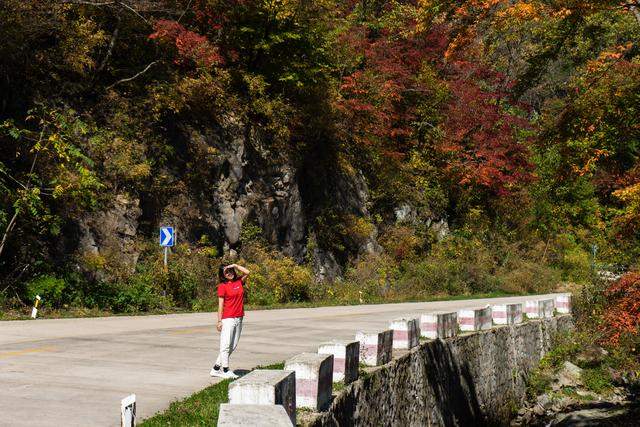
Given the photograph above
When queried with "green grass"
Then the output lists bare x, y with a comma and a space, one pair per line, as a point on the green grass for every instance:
72, 312
597, 380
199, 409
338, 386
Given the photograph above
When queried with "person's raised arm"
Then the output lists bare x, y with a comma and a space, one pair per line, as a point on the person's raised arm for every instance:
244, 272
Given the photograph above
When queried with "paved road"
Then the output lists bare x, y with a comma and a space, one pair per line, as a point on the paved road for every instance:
73, 372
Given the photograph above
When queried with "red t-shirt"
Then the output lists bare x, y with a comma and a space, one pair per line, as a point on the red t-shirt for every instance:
233, 294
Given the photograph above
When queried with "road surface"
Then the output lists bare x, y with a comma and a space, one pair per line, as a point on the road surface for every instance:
74, 372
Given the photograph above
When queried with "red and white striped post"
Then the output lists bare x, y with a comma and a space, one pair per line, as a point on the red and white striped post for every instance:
406, 333
474, 319
439, 324
375, 347
346, 359
507, 314
539, 308
314, 379
563, 303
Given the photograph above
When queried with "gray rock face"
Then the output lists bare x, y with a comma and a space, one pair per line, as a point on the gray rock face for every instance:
253, 184
569, 376
111, 233
591, 355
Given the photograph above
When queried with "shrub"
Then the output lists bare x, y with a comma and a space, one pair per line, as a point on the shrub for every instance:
622, 310
138, 296
401, 242
373, 276
277, 278
597, 380
524, 276
184, 287
572, 259
50, 289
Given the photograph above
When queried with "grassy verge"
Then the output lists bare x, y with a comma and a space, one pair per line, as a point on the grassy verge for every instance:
46, 313
199, 409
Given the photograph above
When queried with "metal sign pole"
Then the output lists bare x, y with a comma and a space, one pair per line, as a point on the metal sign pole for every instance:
166, 254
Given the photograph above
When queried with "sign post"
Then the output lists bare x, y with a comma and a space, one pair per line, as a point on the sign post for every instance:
167, 240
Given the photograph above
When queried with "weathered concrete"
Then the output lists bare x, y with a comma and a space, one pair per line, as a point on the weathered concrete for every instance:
266, 387
439, 324
406, 333
346, 359
474, 319
507, 314
376, 348
473, 380
539, 308
253, 416
563, 303
74, 372
314, 379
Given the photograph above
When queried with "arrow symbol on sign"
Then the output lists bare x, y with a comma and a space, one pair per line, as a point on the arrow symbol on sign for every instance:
167, 237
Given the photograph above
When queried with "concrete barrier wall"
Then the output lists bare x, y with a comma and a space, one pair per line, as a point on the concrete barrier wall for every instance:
476, 379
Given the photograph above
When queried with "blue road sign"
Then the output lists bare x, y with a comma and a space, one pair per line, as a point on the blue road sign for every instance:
167, 236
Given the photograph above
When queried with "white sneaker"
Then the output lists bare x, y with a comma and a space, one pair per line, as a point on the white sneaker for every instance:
222, 374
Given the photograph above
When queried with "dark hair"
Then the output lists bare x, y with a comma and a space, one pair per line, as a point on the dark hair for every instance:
221, 275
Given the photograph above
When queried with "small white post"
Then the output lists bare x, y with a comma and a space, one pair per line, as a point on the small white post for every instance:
128, 411
34, 311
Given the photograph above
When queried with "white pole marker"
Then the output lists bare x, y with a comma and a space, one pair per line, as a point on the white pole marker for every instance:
128, 411
34, 311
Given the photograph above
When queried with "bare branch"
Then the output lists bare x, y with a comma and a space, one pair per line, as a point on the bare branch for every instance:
185, 11
135, 76
90, 3
123, 4
112, 43
13, 179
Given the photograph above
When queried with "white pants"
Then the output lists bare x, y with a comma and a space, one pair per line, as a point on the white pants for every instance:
229, 337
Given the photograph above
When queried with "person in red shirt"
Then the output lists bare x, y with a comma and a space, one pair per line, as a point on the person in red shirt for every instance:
230, 314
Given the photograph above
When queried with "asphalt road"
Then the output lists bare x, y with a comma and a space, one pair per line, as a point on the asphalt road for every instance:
74, 372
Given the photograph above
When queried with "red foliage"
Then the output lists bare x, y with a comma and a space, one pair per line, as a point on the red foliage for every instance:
378, 99
379, 102
191, 47
480, 135
622, 315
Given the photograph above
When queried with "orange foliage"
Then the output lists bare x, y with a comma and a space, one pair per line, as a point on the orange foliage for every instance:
622, 315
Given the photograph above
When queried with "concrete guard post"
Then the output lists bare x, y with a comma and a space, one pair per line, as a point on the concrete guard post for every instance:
314, 379
346, 359
406, 333
507, 314
439, 324
539, 308
474, 319
563, 303
375, 347
253, 415
266, 387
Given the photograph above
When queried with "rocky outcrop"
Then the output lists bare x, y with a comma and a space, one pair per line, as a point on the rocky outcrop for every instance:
252, 185
222, 178
111, 233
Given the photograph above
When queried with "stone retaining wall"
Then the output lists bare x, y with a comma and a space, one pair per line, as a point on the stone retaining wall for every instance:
469, 380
